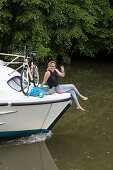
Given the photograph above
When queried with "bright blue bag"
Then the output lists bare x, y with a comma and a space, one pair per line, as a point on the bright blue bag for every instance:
36, 91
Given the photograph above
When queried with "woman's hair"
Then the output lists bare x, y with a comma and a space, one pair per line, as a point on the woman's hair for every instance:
51, 63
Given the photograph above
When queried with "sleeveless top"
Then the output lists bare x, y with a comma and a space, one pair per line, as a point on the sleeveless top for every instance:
53, 79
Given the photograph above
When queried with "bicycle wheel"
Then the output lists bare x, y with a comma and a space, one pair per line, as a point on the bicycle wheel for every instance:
25, 81
35, 76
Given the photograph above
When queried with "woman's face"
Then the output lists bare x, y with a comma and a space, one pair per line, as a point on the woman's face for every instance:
52, 67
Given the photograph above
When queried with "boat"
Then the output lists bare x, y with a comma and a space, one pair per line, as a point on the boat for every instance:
23, 115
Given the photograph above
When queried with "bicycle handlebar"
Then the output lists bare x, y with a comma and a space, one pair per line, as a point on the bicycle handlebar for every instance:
27, 54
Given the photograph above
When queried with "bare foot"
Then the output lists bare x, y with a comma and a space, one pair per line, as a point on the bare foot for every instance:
80, 108
83, 97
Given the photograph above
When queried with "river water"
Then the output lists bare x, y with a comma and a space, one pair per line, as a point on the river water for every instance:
80, 140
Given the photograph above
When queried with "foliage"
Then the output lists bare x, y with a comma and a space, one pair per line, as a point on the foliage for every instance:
56, 28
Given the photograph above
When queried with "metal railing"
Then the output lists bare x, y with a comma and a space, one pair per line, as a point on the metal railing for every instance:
13, 61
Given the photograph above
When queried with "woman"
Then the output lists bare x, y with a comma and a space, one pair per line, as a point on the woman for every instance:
51, 77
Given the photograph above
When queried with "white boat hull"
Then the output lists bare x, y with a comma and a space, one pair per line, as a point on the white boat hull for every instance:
25, 118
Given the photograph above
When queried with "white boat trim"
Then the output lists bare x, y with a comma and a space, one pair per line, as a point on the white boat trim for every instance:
2, 123
7, 112
39, 102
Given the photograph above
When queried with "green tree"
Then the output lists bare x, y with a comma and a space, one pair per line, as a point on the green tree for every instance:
57, 28
84, 25
5, 29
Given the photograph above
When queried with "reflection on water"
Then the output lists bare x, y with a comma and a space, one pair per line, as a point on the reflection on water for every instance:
80, 140
35, 156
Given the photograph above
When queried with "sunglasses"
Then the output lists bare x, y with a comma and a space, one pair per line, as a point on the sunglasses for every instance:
53, 66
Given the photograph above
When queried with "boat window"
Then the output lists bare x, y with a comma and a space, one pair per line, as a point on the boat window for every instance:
15, 83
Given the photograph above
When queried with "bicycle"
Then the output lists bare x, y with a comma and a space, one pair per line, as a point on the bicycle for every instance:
29, 72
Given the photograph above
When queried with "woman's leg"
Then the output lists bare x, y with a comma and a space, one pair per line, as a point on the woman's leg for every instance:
67, 87
74, 96
70, 88
77, 92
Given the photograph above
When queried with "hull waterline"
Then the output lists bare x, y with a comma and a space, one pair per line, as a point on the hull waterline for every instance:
23, 119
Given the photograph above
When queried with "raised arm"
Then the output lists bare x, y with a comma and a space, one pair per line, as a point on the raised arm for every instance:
46, 76
61, 73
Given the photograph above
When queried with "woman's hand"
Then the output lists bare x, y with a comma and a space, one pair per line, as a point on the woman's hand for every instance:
62, 69
60, 73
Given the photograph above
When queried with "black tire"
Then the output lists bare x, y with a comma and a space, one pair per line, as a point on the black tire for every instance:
35, 76
25, 81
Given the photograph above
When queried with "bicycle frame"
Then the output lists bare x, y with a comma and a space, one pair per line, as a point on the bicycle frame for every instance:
26, 65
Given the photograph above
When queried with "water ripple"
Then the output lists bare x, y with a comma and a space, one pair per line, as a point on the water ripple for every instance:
41, 137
